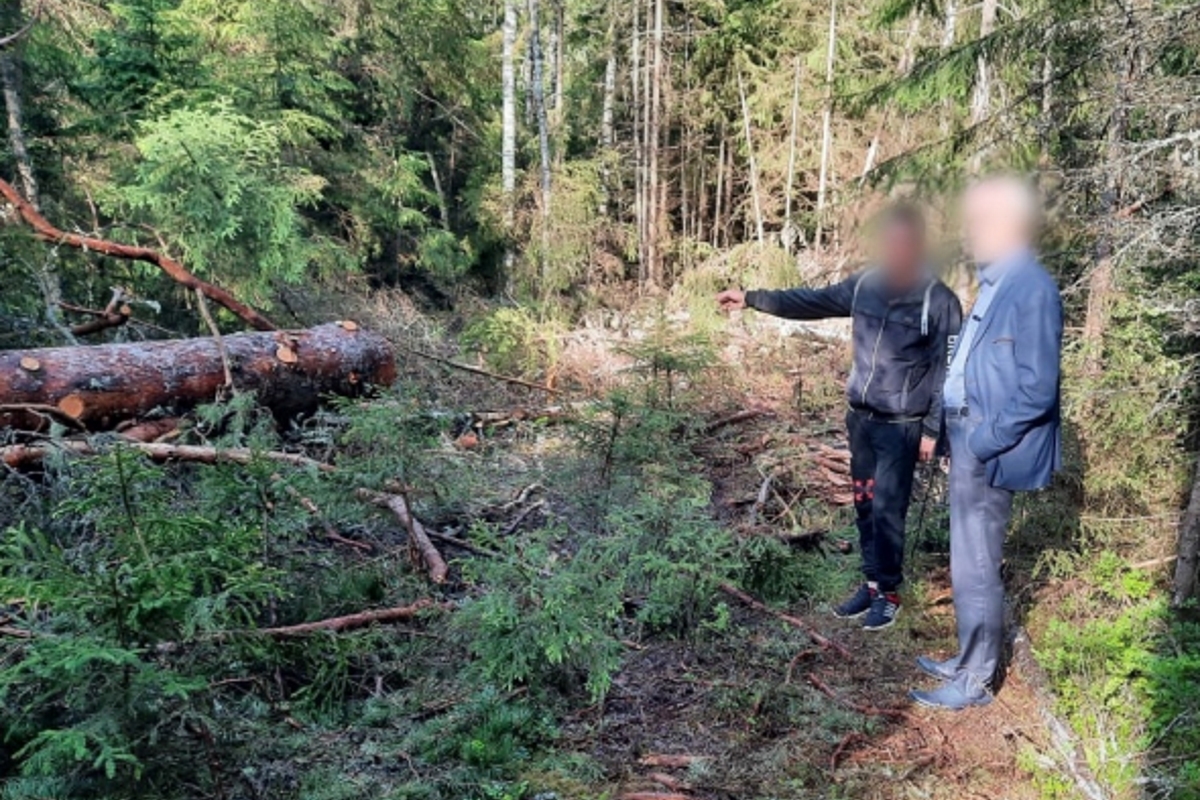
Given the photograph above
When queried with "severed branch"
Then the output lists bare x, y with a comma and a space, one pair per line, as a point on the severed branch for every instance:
481, 371
795, 622
416, 531
47, 232
349, 622
21, 455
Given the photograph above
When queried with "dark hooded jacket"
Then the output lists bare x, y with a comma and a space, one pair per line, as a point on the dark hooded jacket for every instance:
902, 340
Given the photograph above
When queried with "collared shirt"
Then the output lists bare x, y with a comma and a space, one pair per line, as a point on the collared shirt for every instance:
954, 396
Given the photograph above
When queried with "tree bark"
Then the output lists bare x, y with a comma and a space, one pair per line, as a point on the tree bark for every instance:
749, 133
20, 456
508, 136
788, 223
653, 148
101, 386
1188, 565
434, 562
826, 123
539, 101
639, 155
608, 137
364, 619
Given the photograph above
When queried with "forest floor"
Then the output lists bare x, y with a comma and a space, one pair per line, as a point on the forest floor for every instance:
688, 462
756, 709
759, 711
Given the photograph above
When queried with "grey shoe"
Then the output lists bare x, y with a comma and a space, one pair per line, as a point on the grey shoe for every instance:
961, 693
942, 670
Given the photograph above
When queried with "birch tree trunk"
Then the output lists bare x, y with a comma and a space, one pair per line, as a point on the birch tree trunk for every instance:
826, 124
608, 138
981, 99
950, 24
508, 139
749, 133
788, 223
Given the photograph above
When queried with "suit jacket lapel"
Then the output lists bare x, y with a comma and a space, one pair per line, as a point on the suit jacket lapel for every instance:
1007, 285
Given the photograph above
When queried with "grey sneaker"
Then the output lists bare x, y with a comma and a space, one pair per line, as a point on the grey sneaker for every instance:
942, 670
961, 693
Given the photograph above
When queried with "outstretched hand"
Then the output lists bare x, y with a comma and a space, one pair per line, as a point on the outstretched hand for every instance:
731, 300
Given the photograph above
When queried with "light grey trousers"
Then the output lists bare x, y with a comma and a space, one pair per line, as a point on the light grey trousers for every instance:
979, 516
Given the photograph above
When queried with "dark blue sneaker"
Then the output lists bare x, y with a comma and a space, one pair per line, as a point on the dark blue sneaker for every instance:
884, 608
857, 605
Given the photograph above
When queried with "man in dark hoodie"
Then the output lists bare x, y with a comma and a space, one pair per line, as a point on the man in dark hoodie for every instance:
904, 323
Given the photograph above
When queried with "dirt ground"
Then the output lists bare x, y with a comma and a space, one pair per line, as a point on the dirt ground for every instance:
759, 710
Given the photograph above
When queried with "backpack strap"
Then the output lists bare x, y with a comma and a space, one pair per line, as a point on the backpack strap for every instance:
858, 286
925, 308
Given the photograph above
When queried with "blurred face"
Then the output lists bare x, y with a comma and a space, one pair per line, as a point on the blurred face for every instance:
900, 251
994, 223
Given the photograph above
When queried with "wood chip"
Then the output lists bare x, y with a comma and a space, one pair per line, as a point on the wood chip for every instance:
286, 354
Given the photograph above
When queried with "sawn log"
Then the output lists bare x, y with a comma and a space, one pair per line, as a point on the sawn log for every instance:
101, 386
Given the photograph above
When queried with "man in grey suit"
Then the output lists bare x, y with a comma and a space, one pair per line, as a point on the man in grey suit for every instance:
1002, 407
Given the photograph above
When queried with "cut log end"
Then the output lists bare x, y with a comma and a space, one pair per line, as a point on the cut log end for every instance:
30, 364
73, 406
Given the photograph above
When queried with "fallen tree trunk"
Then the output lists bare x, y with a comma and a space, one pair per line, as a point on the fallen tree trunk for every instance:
101, 386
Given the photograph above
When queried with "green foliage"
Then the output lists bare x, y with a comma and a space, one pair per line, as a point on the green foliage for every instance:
125, 573
218, 182
515, 340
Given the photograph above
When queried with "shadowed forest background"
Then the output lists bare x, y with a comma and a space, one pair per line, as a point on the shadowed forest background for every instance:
534, 203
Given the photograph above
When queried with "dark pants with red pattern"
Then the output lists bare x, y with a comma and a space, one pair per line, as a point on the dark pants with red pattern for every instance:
883, 459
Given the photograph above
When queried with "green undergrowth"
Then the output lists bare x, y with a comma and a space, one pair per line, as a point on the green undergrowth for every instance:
145, 590
1123, 665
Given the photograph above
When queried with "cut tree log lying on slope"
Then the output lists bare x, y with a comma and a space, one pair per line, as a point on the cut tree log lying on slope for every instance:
99, 387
